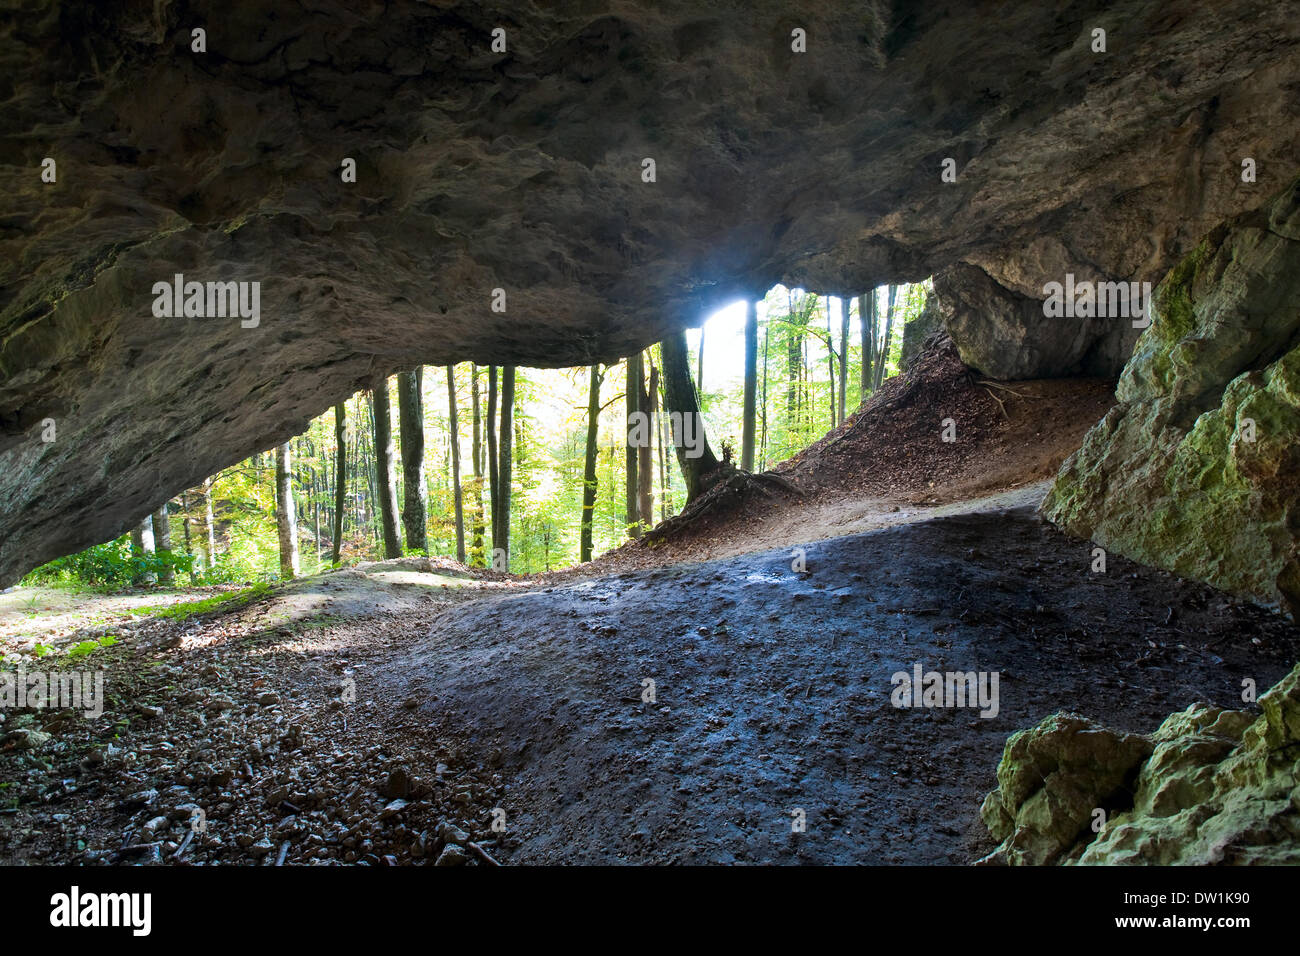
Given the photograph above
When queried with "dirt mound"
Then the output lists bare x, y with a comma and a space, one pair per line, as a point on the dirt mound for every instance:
889, 455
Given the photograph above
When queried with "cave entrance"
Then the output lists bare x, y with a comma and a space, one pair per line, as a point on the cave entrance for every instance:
816, 362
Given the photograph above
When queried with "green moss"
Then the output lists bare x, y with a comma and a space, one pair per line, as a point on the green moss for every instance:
222, 602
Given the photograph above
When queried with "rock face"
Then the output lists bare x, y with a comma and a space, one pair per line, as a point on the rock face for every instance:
1197, 469
524, 171
1051, 779
1006, 335
1212, 786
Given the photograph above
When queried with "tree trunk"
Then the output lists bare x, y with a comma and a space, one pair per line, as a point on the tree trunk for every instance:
476, 553
792, 350
505, 470
867, 316
340, 476
695, 456
185, 530
665, 493
162, 541
589, 466
751, 386
762, 444
385, 478
285, 519
844, 357
830, 356
454, 427
494, 478
889, 330
415, 501
633, 425
209, 523
699, 365
141, 545
644, 465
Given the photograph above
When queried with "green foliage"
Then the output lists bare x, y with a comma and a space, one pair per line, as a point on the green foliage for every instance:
224, 602
110, 566
87, 647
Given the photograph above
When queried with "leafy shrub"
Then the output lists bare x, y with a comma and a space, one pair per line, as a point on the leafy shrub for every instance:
110, 565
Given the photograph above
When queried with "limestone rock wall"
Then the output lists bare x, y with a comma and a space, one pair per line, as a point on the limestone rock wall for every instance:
1210, 786
1007, 335
1197, 469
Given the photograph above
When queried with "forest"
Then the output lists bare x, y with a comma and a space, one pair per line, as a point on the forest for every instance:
517, 469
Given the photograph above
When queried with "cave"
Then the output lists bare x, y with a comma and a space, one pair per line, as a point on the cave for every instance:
1020, 588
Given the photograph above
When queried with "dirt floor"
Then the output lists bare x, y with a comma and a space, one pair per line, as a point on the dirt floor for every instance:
691, 701
373, 717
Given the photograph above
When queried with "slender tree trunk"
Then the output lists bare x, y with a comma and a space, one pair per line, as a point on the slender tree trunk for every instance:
454, 427
142, 544
477, 451
162, 539
844, 357
644, 465
589, 466
699, 365
889, 331
633, 426
185, 530
751, 386
285, 518
505, 470
693, 453
494, 478
384, 472
209, 523
415, 501
340, 477
793, 347
830, 356
665, 492
762, 444
867, 316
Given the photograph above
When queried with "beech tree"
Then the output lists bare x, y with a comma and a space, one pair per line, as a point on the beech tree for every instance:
505, 469
385, 477
751, 386
455, 463
867, 317
162, 541
476, 494
142, 545
285, 518
844, 356
589, 465
494, 475
697, 461
889, 331
340, 477
633, 403
415, 503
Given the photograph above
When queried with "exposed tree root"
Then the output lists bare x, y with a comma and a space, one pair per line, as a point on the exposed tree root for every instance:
728, 489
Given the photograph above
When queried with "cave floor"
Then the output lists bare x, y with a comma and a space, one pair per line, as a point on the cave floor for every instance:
523, 704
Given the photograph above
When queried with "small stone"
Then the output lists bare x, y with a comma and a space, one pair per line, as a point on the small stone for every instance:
141, 798
452, 855
398, 785
268, 699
